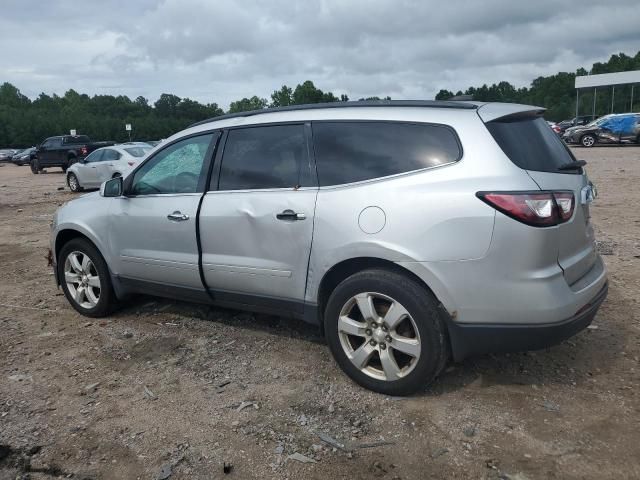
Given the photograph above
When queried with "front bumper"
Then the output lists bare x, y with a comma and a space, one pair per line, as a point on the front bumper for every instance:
477, 339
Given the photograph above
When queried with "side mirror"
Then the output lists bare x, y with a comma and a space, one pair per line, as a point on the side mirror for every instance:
112, 188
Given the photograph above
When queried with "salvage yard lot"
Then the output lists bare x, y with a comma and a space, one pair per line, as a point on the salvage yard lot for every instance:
169, 390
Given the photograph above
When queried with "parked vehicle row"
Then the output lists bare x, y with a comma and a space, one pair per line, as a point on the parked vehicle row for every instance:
615, 128
7, 154
105, 163
63, 151
408, 231
24, 157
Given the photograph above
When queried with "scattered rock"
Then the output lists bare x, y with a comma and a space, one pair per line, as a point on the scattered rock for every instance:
331, 408
127, 334
19, 377
227, 467
469, 431
92, 387
149, 394
279, 450
244, 405
550, 406
329, 440
298, 457
439, 452
165, 472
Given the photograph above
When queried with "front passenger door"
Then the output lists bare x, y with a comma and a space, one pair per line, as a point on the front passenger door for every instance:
153, 229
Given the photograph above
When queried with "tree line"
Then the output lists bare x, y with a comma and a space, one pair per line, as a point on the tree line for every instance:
25, 122
557, 92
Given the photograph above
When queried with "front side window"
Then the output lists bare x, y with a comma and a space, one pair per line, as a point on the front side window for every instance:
263, 157
95, 156
176, 169
349, 151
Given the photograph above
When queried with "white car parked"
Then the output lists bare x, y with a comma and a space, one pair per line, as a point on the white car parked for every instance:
104, 164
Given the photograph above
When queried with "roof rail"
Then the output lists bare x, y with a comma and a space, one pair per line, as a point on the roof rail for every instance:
364, 103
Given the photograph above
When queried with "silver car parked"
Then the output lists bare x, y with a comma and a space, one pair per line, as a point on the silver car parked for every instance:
105, 163
410, 232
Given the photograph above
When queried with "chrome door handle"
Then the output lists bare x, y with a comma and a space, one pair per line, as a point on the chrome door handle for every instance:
177, 216
290, 215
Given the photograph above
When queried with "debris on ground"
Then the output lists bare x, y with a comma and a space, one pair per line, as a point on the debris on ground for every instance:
149, 394
298, 457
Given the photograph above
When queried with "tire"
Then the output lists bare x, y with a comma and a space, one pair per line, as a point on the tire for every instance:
93, 301
421, 331
588, 140
70, 161
35, 166
74, 184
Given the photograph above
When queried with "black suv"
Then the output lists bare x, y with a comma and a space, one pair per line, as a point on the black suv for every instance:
63, 151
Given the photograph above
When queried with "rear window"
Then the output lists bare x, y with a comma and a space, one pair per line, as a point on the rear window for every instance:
349, 152
531, 144
75, 139
137, 151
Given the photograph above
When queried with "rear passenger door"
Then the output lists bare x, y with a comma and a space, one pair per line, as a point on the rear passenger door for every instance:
256, 220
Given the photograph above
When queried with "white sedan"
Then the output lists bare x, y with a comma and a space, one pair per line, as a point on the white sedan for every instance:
104, 164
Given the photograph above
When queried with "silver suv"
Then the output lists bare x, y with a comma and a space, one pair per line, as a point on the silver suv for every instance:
410, 232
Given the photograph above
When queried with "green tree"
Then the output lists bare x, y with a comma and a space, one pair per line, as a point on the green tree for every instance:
282, 97
248, 104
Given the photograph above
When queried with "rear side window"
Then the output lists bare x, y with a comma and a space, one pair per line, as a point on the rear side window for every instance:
137, 151
354, 151
263, 157
531, 144
76, 139
110, 155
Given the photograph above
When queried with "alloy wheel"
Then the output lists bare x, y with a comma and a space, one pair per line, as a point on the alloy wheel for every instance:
73, 182
379, 336
82, 279
588, 141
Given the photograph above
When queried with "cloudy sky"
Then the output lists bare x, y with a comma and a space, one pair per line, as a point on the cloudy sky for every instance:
222, 50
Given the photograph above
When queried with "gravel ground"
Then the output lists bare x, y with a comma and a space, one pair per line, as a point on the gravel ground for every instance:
171, 390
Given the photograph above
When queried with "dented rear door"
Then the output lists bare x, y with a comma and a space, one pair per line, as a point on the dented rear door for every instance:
256, 222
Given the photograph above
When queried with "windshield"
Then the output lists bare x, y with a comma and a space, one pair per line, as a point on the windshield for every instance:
137, 151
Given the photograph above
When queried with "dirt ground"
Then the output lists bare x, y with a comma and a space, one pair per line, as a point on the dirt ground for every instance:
170, 390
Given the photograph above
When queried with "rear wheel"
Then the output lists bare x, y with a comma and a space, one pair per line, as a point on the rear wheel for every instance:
588, 140
73, 183
35, 166
386, 332
85, 279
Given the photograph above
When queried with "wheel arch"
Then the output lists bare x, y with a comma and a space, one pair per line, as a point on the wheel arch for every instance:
345, 268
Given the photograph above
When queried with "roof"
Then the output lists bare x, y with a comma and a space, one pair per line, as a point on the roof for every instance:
359, 104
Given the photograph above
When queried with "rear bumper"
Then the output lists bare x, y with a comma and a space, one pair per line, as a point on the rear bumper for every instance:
476, 339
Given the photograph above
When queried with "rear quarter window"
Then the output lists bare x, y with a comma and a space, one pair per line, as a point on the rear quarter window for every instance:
349, 151
531, 144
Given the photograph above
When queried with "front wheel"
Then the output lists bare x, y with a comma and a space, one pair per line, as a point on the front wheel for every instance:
35, 166
73, 183
588, 140
386, 332
85, 279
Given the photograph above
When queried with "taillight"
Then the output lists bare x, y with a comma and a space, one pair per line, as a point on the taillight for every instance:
538, 209
84, 151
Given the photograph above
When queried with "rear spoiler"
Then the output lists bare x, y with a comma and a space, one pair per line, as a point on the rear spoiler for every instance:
490, 112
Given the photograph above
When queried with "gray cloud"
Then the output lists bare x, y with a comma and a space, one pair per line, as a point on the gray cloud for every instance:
224, 50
